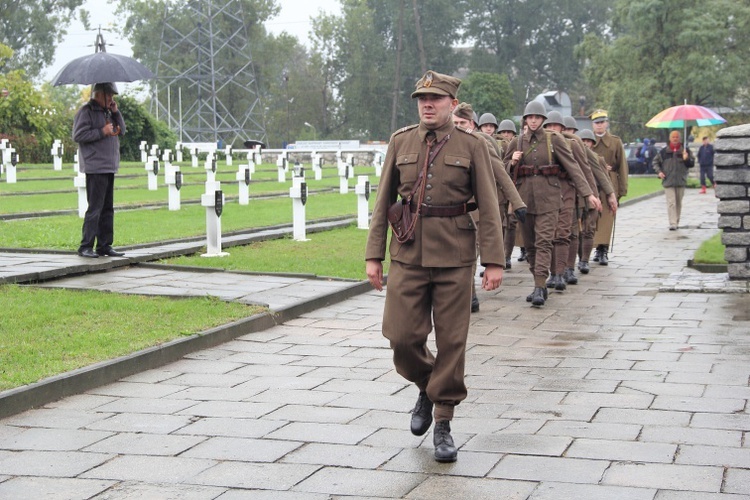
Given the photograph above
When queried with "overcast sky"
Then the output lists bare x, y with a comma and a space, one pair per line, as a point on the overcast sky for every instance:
294, 19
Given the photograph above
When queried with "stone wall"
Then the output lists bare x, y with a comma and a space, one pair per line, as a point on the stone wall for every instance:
732, 176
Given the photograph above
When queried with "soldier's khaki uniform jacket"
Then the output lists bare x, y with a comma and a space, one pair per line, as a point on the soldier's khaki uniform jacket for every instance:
610, 147
506, 189
599, 169
460, 171
541, 193
578, 148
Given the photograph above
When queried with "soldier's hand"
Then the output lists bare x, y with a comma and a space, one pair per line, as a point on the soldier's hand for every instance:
516, 155
493, 277
374, 269
520, 214
612, 201
609, 168
661, 175
594, 202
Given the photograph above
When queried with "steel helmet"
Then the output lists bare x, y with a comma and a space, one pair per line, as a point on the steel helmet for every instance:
487, 118
507, 126
535, 108
554, 117
570, 122
476, 118
586, 134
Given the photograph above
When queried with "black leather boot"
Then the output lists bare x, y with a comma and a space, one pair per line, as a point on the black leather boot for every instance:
551, 281
570, 276
421, 415
539, 296
445, 450
583, 266
560, 283
474, 304
522, 257
597, 253
603, 258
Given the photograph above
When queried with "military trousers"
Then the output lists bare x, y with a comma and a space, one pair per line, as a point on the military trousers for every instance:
587, 233
538, 234
674, 197
561, 243
576, 232
415, 297
509, 239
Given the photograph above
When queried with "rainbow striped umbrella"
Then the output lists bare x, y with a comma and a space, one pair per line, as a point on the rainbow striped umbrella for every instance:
685, 115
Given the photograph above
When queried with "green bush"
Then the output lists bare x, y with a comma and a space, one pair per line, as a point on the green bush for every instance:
141, 126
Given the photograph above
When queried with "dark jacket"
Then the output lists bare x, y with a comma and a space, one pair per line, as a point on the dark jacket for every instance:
706, 155
99, 154
674, 167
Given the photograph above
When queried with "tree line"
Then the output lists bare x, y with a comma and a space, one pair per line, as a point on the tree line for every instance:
633, 57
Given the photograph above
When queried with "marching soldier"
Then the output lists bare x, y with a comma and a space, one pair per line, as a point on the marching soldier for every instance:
566, 220
610, 147
488, 124
536, 164
506, 190
430, 276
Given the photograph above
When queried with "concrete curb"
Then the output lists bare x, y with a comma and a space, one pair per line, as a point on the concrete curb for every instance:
77, 381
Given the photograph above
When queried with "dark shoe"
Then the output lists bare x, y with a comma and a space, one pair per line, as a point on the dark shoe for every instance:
474, 304
522, 257
507, 263
109, 251
560, 283
421, 415
551, 281
539, 296
583, 266
603, 259
445, 450
570, 276
597, 254
88, 252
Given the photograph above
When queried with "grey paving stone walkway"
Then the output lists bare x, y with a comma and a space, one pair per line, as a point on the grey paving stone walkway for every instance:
622, 387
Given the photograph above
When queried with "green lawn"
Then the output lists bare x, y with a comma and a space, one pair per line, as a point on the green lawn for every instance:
711, 251
47, 332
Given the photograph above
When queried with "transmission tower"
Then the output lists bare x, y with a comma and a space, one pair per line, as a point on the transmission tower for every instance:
206, 84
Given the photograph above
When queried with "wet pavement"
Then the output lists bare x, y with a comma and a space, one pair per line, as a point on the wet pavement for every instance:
632, 384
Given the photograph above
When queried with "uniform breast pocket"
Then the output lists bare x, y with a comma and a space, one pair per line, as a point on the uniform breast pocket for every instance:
408, 169
457, 171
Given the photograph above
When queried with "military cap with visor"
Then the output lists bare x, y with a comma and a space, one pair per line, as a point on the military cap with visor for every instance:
437, 84
600, 115
465, 111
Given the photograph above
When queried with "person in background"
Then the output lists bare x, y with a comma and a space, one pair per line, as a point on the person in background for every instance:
96, 128
672, 165
706, 162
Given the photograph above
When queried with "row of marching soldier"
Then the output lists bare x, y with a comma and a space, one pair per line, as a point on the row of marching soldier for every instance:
435, 173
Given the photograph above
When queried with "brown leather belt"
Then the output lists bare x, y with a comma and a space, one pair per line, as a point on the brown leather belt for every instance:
530, 170
445, 210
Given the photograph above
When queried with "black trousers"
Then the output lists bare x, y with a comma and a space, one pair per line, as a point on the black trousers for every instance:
98, 224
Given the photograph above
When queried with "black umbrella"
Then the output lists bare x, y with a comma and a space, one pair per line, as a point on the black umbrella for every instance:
101, 67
